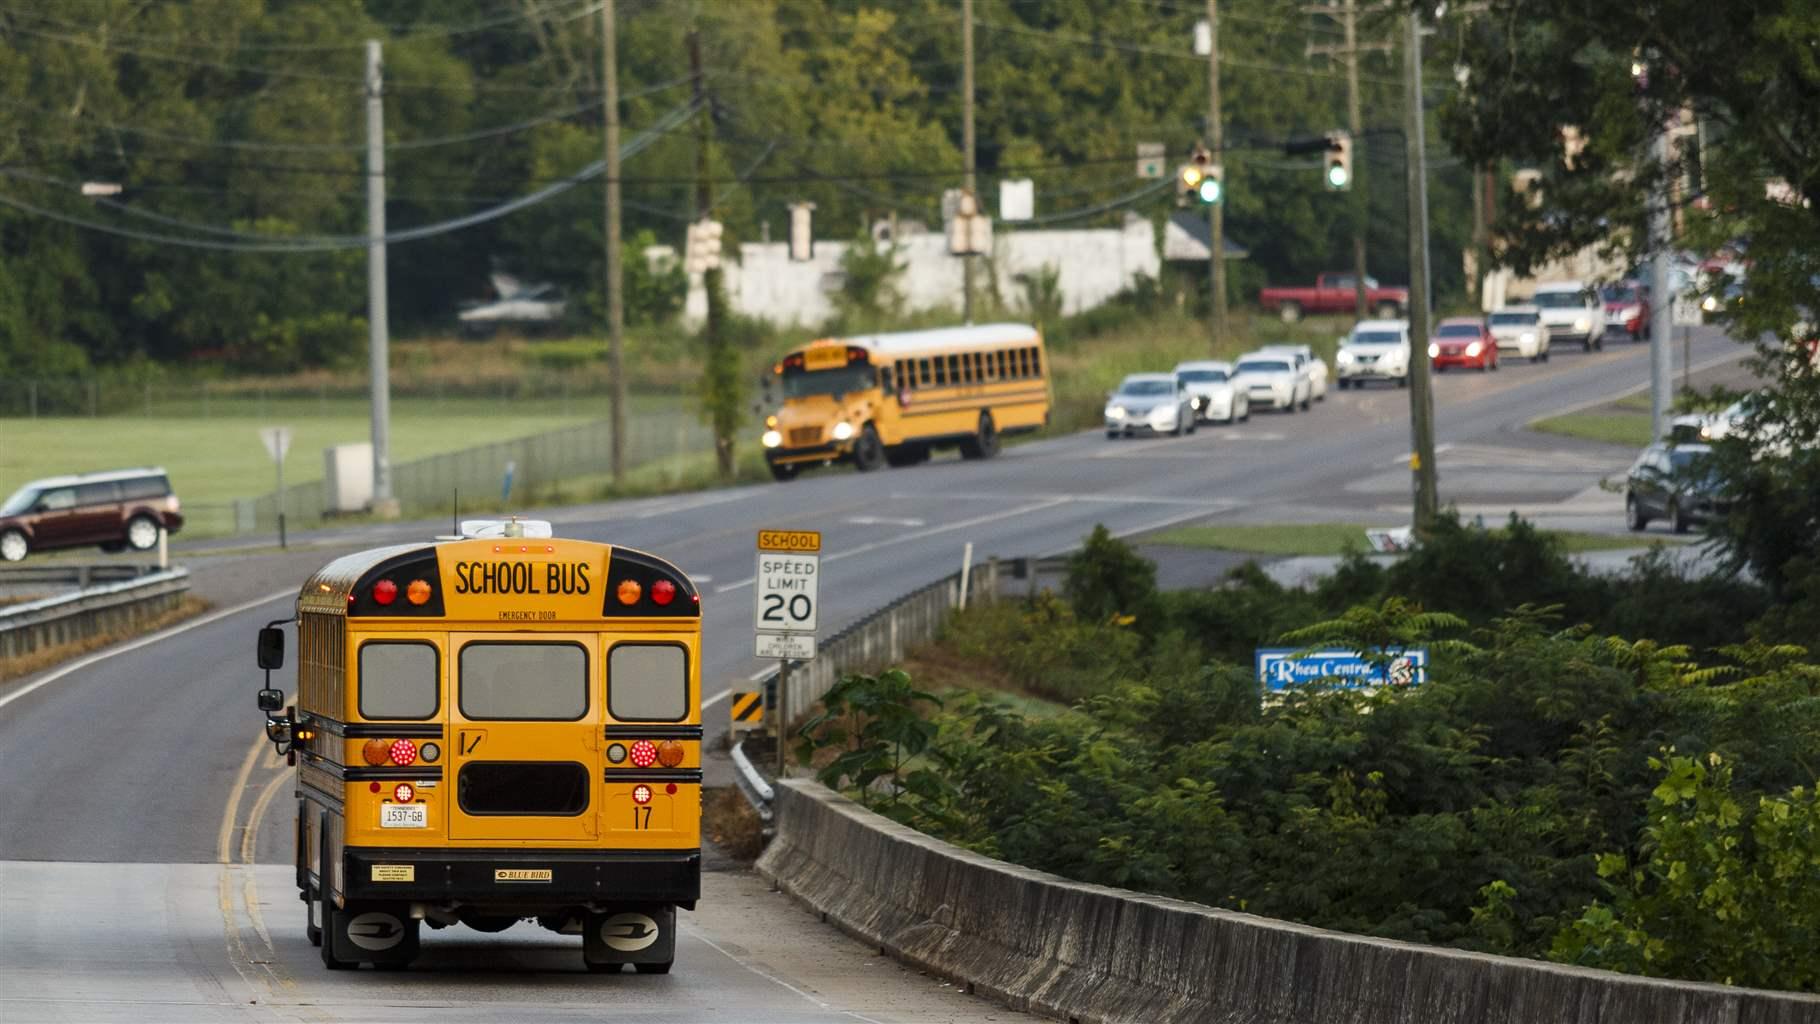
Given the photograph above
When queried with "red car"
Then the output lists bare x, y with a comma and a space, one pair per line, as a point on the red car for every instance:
1463, 341
1627, 310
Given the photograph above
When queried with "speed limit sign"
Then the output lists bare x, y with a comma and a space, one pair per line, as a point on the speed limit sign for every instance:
789, 567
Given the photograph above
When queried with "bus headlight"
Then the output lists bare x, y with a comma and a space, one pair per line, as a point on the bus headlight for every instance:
772, 439
843, 430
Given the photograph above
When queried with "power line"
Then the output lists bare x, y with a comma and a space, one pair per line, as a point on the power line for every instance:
406, 145
249, 69
255, 242
401, 33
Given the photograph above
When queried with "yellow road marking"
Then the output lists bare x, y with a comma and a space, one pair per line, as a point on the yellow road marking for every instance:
224, 838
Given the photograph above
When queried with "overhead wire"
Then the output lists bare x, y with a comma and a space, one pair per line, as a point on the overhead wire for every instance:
255, 242
403, 32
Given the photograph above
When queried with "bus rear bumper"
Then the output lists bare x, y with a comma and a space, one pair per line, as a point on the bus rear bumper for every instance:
519, 878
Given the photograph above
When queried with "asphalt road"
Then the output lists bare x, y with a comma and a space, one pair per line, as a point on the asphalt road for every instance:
135, 800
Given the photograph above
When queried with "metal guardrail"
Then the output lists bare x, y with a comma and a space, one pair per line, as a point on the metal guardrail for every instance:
80, 576
66, 618
758, 792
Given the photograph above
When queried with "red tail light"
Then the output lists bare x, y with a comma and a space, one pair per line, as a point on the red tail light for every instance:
644, 754
403, 753
385, 592
663, 592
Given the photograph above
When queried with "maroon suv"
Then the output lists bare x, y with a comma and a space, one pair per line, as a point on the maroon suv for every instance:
116, 510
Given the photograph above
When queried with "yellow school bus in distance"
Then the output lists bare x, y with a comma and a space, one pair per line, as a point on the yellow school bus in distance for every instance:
894, 398
492, 729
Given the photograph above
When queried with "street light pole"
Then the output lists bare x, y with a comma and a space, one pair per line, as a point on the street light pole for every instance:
1421, 400
378, 339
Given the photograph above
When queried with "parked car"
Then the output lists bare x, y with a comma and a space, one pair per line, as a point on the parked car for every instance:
1317, 368
116, 510
1272, 379
1735, 419
1572, 312
1333, 293
1627, 309
1154, 402
1213, 392
1519, 329
1463, 341
1668, 481
1375, 350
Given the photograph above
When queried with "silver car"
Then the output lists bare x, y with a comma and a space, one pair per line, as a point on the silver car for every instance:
1213, 392
1150, 402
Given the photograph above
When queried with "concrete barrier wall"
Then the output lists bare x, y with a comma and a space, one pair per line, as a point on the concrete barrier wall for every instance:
69, 618
1090, 953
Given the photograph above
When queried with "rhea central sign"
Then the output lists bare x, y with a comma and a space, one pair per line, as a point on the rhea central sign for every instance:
1280, 668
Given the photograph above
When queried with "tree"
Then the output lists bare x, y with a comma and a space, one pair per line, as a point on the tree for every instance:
1618, 72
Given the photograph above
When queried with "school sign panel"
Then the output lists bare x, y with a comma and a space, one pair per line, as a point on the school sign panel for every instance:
1280, 668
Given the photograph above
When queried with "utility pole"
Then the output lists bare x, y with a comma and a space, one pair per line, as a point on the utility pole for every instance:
1216, 226
615, 283
1661, 319
378, 360
971, 183
1421, 401
1347, 11
714, 332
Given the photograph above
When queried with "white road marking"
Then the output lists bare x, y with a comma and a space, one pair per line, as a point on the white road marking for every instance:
1407, 456
918, 535
163, 634
716, 699
882, 521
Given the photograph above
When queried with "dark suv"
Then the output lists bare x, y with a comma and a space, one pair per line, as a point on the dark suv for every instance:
116, 510
1671, 481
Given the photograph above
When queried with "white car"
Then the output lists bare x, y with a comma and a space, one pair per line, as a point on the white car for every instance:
1213, 392
1734, 419
1518, 330
1571, 312
1317, 369
1375, 350
1272, 379
1154, 402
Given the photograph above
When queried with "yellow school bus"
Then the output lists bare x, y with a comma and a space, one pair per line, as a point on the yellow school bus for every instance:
492, 729
894, 398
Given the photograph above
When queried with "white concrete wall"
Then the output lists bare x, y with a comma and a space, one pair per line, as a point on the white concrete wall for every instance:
1094, 264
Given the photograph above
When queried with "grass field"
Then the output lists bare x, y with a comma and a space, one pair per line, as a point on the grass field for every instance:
221, 458
1630, 429
1289, 539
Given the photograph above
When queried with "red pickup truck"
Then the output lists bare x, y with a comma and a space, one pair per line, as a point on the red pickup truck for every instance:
1334, 293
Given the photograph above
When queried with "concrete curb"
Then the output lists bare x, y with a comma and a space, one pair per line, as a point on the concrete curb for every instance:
1094, 954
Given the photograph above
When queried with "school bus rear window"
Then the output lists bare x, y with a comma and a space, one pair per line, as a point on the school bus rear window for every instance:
524, 681
523, 787
648, 682
399, 680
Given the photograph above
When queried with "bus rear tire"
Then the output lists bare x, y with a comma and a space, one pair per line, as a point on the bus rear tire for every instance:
868, 452
985, 443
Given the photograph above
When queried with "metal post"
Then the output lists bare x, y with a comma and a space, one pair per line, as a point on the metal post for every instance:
280, 495
1661, 326
783, 717
1216, 228
967, 148
966, 572
1687, 356
1421, 401
377, 339
615, 284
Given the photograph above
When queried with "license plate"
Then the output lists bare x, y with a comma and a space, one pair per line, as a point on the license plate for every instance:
404, 816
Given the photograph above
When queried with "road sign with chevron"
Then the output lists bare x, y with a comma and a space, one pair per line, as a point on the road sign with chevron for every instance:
748, 710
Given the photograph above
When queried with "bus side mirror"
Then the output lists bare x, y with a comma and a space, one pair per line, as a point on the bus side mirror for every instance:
271, 648
271, 700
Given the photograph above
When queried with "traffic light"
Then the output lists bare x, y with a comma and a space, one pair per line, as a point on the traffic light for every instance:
1200, 181
1336, 162
701, 249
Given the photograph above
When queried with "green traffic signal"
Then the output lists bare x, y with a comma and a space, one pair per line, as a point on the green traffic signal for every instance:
1337, 175
1210, 191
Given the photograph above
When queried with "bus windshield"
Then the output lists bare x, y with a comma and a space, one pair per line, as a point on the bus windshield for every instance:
802, 384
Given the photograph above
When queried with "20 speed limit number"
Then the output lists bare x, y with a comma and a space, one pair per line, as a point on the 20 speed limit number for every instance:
786, 591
